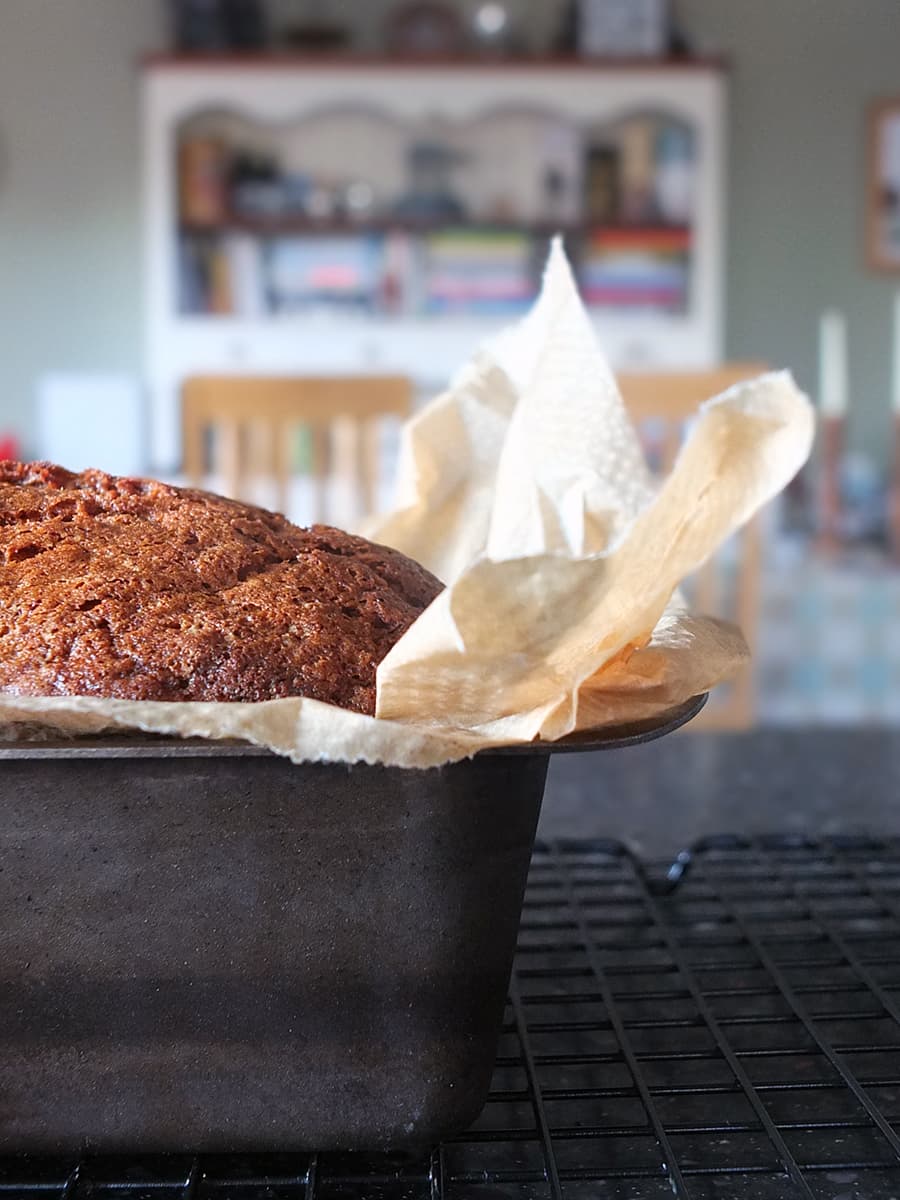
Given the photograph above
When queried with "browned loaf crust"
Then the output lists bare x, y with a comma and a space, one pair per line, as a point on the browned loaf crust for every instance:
135, 589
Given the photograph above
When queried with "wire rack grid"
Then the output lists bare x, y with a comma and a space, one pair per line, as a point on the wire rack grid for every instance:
727, 1028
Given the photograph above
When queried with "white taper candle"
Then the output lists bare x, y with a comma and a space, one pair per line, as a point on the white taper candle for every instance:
833, 364
895, 359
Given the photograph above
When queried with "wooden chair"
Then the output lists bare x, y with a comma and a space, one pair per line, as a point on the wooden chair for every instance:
667, 401
254, 422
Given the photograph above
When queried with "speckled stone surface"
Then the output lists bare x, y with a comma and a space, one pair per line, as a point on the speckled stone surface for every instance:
664, 795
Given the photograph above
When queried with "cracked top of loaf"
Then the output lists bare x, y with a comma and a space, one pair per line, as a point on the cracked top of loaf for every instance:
134, 589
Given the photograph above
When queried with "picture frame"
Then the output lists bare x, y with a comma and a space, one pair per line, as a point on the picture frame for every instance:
883, 186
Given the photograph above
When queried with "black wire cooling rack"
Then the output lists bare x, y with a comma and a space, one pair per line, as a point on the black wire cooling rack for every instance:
724, 1029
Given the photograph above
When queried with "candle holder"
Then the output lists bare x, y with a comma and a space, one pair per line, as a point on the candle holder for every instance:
833, 393
893, 500
893, 496
829, 539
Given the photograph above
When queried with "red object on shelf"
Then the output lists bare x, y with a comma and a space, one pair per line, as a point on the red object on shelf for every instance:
9, 447
646, 238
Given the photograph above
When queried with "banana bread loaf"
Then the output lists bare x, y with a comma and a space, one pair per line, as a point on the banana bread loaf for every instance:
134, 589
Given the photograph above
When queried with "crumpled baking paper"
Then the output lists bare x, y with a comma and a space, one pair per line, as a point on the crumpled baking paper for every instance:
524, 488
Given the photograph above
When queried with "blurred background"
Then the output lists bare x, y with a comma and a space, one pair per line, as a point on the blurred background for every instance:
240, 240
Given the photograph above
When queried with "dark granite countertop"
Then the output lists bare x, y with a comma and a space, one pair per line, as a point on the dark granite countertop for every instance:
662, 796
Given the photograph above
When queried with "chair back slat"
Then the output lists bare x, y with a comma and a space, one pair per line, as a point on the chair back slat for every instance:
250, 425
231, 459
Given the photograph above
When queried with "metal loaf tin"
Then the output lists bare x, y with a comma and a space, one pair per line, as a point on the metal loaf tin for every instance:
204, 947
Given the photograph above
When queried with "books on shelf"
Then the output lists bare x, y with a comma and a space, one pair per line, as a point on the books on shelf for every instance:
221, 276
346, 271
244, 257
477, 272
241, 275
637, 268
464, 271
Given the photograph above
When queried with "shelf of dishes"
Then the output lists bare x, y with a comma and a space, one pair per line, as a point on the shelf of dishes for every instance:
469, 270
509, 169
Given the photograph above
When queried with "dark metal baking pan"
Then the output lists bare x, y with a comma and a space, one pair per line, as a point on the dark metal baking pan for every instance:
204, 947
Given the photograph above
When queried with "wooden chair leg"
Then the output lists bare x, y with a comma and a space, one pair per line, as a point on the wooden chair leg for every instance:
367, 465
282, 453
230, 458
194, 433
319, 434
